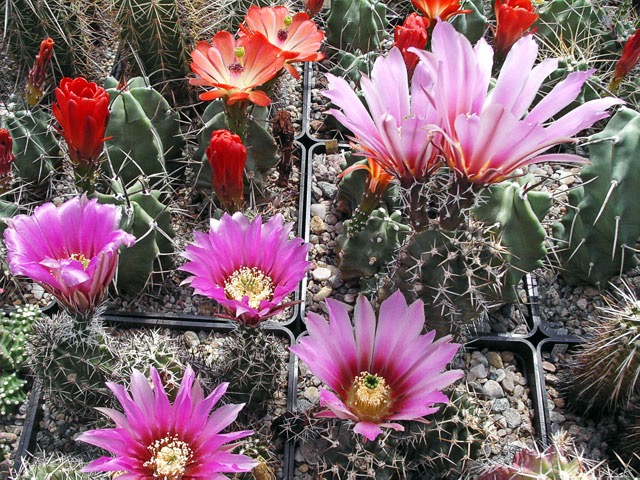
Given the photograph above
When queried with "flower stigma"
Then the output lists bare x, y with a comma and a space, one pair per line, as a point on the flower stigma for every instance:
169, 458
369, 397
249, 282
79, 257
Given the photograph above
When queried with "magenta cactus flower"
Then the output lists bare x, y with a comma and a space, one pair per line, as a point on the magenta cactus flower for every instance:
246, 266
383, 372
157, 439
70, 250
490, 134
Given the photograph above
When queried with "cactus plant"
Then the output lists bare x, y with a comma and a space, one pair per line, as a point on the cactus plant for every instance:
472, 24
144, 132
356, 24
14, 329
352, 65
604, 371
626, 445
55, 467
597, 234
74, 364
146, 217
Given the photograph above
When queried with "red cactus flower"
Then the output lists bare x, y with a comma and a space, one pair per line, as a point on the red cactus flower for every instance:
514, 20
6, 154
297, 37
38, 73
313, 7
235, 67
227, 157
629, 59
412, 33
443, 9
82, 110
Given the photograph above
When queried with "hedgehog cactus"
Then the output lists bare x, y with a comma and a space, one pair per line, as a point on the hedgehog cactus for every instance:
144, 132
149, 220
356, 24
55, 467
605, 369
600, 229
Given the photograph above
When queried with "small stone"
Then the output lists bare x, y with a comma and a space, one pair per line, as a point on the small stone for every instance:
329, 190
548, 367
507, 357
191, 339
507, 383
582, 303
479, 371
317, 225
478, 357
311, 394
559, 402
349, 298
318, 210
493, 389
321, 274
494, 359
322, 294
557, 417
304, 468
512, 417
500, 405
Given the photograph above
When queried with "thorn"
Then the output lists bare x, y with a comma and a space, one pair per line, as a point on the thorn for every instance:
614, 184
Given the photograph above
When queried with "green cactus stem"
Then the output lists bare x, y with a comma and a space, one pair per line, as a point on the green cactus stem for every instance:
354, 25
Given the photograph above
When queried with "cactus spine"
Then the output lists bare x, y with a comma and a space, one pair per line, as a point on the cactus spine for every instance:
600, 229
356, 24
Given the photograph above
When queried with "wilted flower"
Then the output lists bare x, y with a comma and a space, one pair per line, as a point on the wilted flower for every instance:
245, 266
297, 37
629, 59
493, 133
514, 19
412, 33
70, 250
439, 9
227, 157
393, 130
6, 154
38, 73
235, 67
156, 439
82, 110
384, 372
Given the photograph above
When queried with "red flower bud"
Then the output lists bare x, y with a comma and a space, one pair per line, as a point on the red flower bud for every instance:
38, 73
82, 110
227, 157
313, 7
412, 33
514, 19
6, 154
629, 59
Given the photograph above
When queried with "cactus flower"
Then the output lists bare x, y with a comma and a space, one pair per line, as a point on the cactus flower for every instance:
235, 67
70, 250
82, 110
393, 130
227, 157
6, 153
493, 133
383, 372
154, 438
246, 266
412, 33
297, 36
514, 20
38, 74
628, 60
439, 9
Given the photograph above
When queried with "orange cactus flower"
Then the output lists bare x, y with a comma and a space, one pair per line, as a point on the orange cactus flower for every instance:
629, 59
514, 20
412, 33
82, 110
443, 9
38, 73
227, 157
297, 36
235, 67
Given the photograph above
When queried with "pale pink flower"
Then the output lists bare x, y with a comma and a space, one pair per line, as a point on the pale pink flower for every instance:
382, 372
155, 439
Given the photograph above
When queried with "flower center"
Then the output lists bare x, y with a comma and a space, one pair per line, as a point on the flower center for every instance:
236, 67
369, 397
79, 257
169, 458
282, 35
250, 282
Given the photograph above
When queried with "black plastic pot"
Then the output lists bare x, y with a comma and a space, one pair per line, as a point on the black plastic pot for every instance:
27, 442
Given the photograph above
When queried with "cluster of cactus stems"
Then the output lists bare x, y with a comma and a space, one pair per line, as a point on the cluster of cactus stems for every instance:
56, 466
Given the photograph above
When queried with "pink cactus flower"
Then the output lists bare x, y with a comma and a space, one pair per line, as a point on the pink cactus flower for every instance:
383, 372
493, 133
71, 250
395, 128
246, 266
156, 439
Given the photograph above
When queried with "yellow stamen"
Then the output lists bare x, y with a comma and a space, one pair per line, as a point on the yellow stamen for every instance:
169, 458
250, 282
369, 397
79, 257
